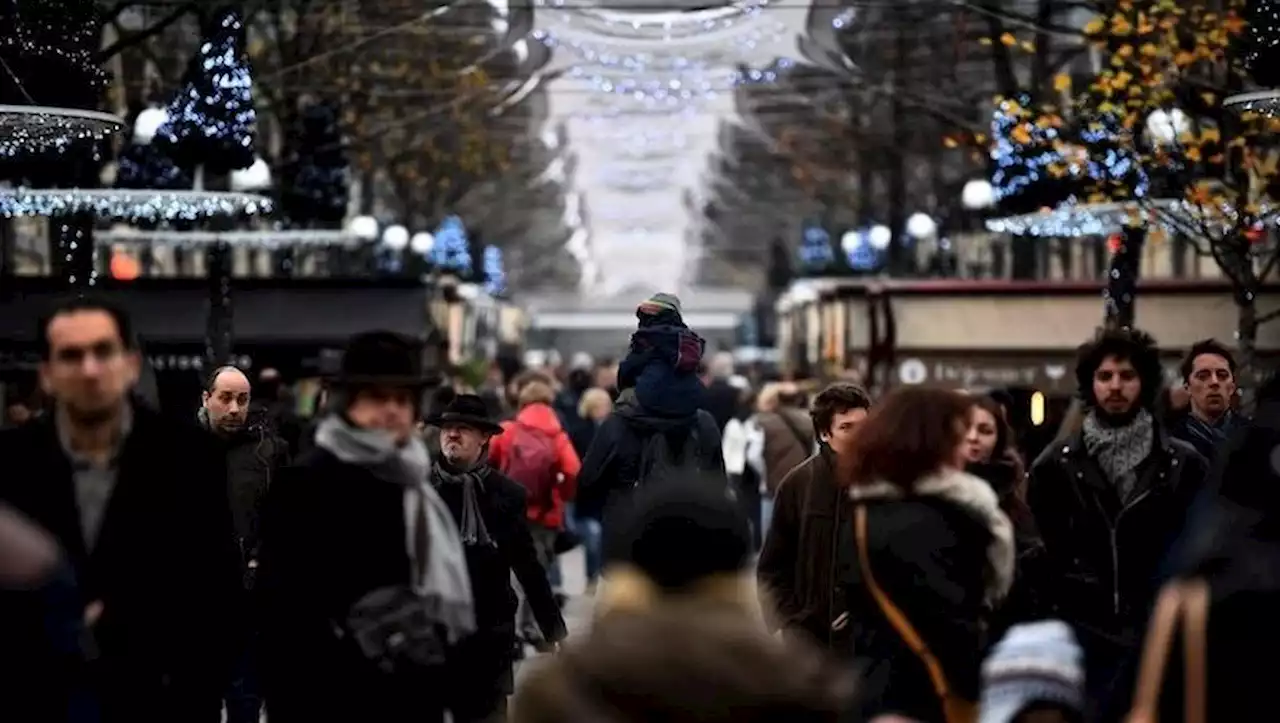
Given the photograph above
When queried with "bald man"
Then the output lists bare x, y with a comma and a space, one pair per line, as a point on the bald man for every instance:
254, 456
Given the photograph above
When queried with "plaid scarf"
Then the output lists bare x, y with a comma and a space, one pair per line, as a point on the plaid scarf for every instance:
1119, 450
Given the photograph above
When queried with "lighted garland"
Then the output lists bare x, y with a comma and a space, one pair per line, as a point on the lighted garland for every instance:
1262, 42
1074, 220
266, 239
132, 206
35, 130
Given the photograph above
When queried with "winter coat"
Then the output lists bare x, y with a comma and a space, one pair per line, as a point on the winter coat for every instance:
482, 667
165, 565
541, 418
788, 441
254, 455
612, 466
331, 533
1102, 559
944, 554
797, 566
662, 366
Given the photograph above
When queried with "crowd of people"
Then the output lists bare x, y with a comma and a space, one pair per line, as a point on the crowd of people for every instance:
754, 551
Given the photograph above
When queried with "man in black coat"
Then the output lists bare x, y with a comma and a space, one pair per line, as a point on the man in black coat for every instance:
353, 518
1111, 501
139, 505
490, 511
254, 455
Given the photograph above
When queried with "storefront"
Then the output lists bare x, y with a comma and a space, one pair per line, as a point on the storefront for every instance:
297, 327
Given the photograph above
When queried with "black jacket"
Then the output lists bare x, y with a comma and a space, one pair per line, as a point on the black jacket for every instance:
165, 566
484, 662
1102, 559
331, 533
254, 455
941, 594
612, 464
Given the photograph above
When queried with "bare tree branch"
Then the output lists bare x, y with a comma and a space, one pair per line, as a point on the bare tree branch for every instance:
143, 35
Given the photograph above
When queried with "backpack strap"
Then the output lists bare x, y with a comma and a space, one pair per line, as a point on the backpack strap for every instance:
1185, 603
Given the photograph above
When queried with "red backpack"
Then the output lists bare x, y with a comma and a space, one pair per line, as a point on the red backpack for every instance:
532, 461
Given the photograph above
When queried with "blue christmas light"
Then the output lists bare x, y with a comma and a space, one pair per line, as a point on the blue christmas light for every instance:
815, 249
452, 250
863, 256
1020, 174
211, 120
495, 275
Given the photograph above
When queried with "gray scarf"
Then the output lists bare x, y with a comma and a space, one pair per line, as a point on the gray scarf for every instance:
474, 532
1119, 450
439, 565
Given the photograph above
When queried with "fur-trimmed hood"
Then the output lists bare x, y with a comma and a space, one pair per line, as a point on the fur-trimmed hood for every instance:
976, 498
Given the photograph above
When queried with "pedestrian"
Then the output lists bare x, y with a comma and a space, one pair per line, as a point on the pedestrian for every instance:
1110, 501
491, 512
139, 506
1035, 674
797, 566
925, 556
254, 455
656, 428
1209, 375
362, 578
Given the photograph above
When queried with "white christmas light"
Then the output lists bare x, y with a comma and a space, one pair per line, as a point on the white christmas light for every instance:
921, 226
1165, 127
978, 194
364, 228
396, 237
1073, 220
880, 237
133, 206
1263, 102
422, 243
849, 241
256, 177
270, 239
26, 129
147, 123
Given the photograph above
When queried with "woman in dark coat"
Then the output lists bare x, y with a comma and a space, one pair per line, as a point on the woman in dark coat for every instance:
930, 538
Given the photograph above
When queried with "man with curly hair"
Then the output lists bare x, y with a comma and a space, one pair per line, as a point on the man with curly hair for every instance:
1111, 499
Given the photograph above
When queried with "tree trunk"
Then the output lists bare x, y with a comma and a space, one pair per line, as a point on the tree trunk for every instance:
219, 338
1122, 280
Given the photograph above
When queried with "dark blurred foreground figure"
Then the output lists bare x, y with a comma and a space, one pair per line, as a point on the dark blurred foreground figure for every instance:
678, 637
1035, 674
42, 625
1217, 618
362, 577
139, 505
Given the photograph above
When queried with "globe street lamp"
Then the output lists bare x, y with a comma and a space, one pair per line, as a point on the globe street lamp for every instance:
364, 228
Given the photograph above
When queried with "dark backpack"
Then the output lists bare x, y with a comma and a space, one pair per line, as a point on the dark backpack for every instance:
532, 461
660, 460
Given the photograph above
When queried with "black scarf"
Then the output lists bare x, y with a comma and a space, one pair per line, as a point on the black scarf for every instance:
1211, 433
474, 532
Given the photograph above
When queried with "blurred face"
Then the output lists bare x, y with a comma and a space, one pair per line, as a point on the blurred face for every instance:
18, 414
461, 445
1211, 386
843, 426
89, 371
601, 408
228, 401
390, 409
1116, 386
980, 435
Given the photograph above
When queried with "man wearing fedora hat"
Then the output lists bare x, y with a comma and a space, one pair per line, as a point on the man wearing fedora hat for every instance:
355, 517
490, 509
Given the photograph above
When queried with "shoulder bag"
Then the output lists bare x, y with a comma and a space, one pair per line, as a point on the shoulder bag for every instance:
954, 708
1182, 603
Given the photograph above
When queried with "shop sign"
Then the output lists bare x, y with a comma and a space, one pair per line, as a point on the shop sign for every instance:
975, 373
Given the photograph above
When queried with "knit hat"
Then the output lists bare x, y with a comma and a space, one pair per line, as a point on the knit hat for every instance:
1038, 662
680, 531
659, 303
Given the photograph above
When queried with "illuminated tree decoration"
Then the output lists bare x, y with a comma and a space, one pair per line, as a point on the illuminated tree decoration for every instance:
49, 49
451, 251
211, 120
495, 275
1261, 44
316, 181
1028, 171
816, 254
146, 166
